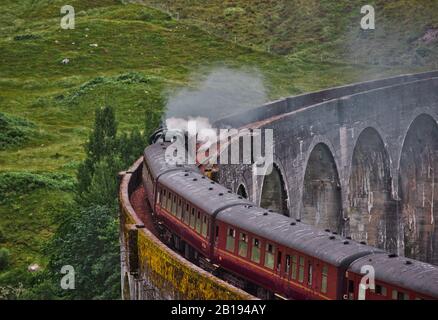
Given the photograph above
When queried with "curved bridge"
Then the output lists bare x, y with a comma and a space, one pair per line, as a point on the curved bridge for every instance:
361, 160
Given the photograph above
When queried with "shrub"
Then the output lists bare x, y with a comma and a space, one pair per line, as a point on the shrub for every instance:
2, 236
13, 183
128, 78
4, 258
22, 37
233, 11
13, 130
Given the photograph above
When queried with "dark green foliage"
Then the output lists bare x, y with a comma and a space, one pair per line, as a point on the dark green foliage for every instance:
102, 143
40, 289
104, 183
123, 79
131, 146
26, 37
87, 238
14, 183
2, 236
152, 121
13, 131
4, 258
11, 292
88, 241
132, 77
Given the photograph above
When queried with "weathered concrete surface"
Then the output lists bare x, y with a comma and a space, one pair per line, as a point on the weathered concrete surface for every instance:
360, 160
152, 271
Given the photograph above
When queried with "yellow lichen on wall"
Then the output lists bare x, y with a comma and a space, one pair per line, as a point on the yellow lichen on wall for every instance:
177, 278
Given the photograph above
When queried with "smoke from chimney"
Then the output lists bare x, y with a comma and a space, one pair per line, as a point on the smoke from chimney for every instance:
220, 93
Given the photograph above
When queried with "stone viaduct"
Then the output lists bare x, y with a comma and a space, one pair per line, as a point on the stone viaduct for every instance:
360, 160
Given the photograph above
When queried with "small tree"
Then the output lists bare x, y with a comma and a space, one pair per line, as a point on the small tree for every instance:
152, 122
101, 143
131, 146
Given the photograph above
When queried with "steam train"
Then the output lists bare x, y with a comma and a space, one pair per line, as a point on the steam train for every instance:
266, 253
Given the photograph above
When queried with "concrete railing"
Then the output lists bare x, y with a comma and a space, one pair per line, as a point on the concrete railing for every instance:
294, 103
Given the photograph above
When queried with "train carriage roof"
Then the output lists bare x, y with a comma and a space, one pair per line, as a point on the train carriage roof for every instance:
403, 272
202, 192
307, 239
155, 158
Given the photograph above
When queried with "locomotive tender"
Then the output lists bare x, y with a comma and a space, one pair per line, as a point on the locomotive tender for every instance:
266, 253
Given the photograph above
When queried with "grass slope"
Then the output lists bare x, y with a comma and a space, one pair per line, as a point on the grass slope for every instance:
326, 30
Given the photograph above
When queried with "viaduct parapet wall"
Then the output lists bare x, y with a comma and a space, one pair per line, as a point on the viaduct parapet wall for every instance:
149, 269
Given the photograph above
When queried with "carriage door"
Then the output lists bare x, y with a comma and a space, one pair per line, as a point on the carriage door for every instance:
351, 294
278, 265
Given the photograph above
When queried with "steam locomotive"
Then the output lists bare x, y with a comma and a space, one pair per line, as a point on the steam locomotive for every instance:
266, 253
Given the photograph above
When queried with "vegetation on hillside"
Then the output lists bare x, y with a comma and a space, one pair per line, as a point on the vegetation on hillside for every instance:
321, 30
87, 234
13, 131
87, 237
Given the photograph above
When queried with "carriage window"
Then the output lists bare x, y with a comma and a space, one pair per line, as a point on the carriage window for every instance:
172, 199
168, 195
179, 209
193, 219
350, 289
243, 245
163, 200
187, 214
159, 196
294, 267
287, 265
231, 239
324, 279
309, 274
279, 260
169, 201
198, 223
269, 256
174, 205
205, 226
380, 290
217, 234
255, 251
301, 270
397, 295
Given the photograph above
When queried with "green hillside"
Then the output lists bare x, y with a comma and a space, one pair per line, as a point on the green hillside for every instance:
327, 30
130, 56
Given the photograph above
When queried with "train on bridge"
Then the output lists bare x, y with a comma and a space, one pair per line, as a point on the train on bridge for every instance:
265, 253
